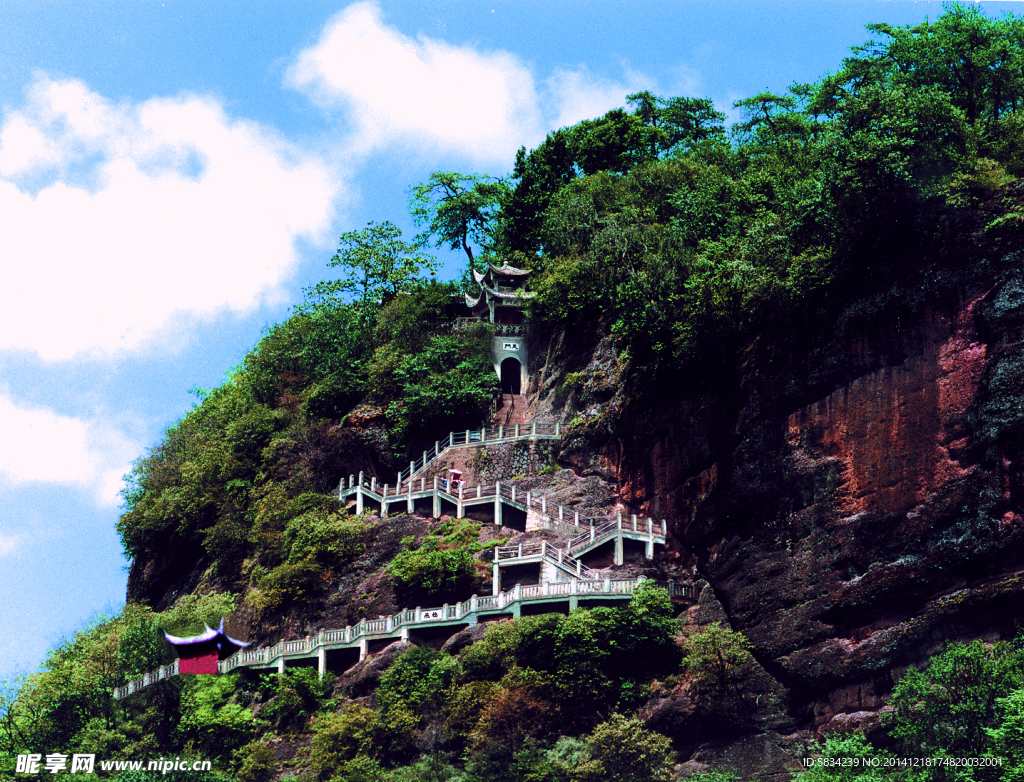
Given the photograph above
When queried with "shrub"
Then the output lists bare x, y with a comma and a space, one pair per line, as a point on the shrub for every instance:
717, 658
256, 762
213, 722
418, 680
328, 538
622, 750
432, 572
294, 697
141, 649
947, 707
848, 750
344, 736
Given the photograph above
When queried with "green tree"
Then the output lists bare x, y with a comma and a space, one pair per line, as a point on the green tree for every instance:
947, 709
377, 265
457, 210
850, 758
623, 750
718, 658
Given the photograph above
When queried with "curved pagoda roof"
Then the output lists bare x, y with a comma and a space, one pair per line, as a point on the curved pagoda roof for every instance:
225, 644
489, 285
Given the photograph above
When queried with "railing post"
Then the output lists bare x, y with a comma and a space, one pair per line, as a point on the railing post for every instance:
533, 429
437, 448
517, 430
558, 431
544, 505
576, 518
501, 431
560, 509
513, 493
437, 500
373, 483
497, 503
467, 437
634, 523
460, 509
451, 439
423, 484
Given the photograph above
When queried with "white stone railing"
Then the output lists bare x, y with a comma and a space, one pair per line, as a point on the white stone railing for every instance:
534, 430
399, 623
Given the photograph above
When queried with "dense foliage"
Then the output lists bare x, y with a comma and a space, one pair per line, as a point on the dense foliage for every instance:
967, 703
694, 243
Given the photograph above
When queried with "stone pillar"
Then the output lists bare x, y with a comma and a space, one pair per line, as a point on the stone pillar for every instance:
321, 662
403, 634
460, 511
437, 499
280, 666
649, 551
364, 648
619, 558
359, 499
495, 575
497, 503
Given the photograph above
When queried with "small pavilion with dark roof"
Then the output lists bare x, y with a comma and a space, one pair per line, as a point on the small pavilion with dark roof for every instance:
200, 653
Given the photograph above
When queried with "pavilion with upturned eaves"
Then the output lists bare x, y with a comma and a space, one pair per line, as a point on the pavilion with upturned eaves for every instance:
500, 300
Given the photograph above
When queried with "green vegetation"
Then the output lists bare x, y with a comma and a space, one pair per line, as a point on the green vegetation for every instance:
967, 703
689, 242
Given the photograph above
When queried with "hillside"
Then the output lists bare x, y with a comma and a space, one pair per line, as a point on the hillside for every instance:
799, 343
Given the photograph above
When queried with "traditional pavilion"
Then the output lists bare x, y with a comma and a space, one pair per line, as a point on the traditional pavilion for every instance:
500, 300
200, 653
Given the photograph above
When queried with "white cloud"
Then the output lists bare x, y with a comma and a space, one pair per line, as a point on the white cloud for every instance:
419, 91
118, 219
9, 544
576, 95
40, 446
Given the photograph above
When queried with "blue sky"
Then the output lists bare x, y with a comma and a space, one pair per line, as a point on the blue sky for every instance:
172, 174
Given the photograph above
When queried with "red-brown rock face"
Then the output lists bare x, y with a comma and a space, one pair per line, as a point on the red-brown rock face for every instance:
851, 536
895, 433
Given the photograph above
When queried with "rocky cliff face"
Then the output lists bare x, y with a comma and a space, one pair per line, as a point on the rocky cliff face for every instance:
850, 535
853, 500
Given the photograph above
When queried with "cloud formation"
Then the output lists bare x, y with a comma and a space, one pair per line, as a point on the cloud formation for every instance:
40, 446
427, 93
118, 219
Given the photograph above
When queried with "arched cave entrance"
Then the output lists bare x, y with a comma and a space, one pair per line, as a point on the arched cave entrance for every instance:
510, 376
